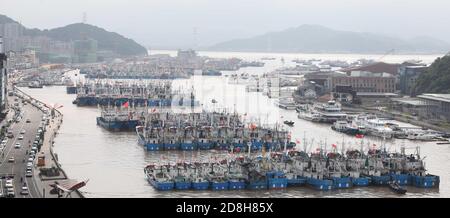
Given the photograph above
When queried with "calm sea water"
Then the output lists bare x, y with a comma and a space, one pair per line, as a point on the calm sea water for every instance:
114, 162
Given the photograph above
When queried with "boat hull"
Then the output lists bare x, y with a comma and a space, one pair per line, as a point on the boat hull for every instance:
161, 186
200, 185
236, 185
320, 184
429, 181
188, 146
171, 146
380, 180
361, 181
154, 147
257, 185
183, 185
218, 186
341, 183
401, 179
128, 125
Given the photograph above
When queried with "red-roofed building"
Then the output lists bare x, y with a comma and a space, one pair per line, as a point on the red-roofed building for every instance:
379, 67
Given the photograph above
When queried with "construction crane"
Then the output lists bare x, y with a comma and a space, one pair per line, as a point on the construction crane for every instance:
386, 54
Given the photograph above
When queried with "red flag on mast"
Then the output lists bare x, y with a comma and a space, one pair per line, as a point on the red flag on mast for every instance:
126, 104
359, 136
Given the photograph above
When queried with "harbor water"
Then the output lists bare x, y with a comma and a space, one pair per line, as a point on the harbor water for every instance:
114, 162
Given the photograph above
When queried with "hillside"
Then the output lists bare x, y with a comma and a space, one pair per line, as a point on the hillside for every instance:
436, 79
106, 40
319, 39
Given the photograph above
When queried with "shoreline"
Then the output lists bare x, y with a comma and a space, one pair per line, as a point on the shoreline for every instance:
49, 144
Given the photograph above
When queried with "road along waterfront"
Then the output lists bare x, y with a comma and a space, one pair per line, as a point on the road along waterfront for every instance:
41, 183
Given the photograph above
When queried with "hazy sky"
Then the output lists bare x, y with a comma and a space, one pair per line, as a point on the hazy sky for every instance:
172, 22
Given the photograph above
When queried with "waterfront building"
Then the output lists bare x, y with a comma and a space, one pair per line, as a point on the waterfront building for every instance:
437, 106
413, 106
186, 54
364, 81
408, 76
378, 67
323, 79
84, 51
24, 59
11, 33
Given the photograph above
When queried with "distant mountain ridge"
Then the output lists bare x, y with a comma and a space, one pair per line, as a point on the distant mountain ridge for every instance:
106, 40
319, 39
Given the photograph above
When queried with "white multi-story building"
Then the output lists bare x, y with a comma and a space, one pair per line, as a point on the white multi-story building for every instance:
3, 77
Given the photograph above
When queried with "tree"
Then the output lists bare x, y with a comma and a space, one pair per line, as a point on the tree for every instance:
436, 79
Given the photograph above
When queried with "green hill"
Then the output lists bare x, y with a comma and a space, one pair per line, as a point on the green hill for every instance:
436, 79
106, 40
319, 39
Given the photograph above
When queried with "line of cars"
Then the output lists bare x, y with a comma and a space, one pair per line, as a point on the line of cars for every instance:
7, 188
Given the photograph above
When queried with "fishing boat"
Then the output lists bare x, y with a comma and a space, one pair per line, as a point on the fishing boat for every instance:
158, 177
276, 180
309, 116
345, 127
118, 120
199, 182
320, 170
170, 138
328, 112
379, 127
187, 140
395, 187
211, 73
203, 138
286, 103
289, 122
417, 173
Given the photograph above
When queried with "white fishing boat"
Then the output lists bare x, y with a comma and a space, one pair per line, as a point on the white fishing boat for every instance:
329, 112
286, 103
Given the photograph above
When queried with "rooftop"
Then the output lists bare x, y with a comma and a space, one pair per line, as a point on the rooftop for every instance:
410, 101
436, 97
379, 67
376, 94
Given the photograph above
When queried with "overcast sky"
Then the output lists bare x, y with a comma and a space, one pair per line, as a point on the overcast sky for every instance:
172, 22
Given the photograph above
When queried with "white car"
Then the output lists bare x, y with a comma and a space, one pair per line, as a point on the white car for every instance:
20, 137
22, 132
11, 193
11, 159
24, 190
30, 159
29, 173
9, 184
29, 164
17, 145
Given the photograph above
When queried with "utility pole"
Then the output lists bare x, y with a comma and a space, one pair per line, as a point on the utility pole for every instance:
84, 19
